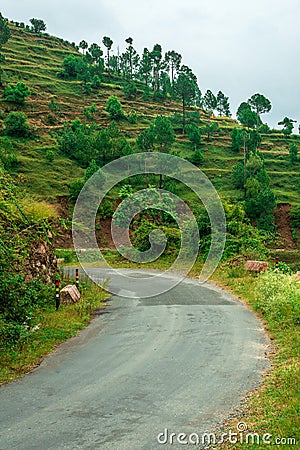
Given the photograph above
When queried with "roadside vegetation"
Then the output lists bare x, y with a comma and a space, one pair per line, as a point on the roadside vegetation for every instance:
274, 407
66, 110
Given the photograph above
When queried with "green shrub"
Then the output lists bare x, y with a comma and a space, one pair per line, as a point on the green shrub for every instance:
49, 156
278, 298
17, 93
106, 209
16, 125
114, 108
130, 90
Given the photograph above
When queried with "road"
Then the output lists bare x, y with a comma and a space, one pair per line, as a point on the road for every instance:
181, 361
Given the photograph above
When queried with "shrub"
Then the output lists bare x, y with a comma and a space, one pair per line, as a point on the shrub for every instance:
73, 67
130, 90
16, 125
278, 298
49, 156
17, 93
133, 117
114, 108
75, 188
106, 209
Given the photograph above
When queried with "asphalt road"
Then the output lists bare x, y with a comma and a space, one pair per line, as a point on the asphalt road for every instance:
181, 361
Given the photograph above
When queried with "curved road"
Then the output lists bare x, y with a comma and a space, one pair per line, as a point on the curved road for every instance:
180, 361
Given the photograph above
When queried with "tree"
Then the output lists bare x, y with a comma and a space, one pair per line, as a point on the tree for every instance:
194, 135
164, 133
91, 169
185, 89
293, 152
173, 62
130, 90
287, 125
108, 44
223, 106
4, 36
83, 45
103, 146
95, 54
146, 139
38, 25
145, 68
74, 67
164, 136
4, 31
210, 129
260, 104
16, 125
129, 60
114, 108
209, 101
156, 56
246, 116
196, 158
16, 94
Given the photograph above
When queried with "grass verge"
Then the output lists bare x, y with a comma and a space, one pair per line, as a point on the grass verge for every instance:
55, 327
274, 407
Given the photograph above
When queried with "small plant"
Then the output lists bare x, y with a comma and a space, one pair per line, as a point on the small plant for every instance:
16, 94
53, 106
114, 108
133, 117
49, 156
16, 125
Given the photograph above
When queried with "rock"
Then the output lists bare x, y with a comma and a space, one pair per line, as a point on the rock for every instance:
256, 266
298, 276
69, 295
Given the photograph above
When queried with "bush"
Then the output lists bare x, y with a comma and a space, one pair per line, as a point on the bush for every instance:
278, 298
49, 156
106, 209
133, 117
114, 108
130, 90
16, 125
75, 188
73, 67
16, 94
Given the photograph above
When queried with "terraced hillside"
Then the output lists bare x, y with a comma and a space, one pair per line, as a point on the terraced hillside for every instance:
36, 60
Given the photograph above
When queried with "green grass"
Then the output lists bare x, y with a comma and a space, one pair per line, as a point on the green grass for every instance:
55, 328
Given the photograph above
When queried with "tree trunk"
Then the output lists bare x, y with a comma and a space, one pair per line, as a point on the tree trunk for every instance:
245, 173
108, 64
183, 115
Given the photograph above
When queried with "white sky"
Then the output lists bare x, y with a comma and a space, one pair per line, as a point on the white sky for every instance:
235, 46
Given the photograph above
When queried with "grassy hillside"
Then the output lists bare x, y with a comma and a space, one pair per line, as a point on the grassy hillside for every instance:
36, 60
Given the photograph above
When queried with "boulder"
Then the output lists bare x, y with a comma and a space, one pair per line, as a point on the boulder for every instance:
256, 266
69, 295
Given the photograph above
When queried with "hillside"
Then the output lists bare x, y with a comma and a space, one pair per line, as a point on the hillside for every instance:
36, 59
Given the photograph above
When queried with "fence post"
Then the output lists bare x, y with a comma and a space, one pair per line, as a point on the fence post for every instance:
77, 278
57, 295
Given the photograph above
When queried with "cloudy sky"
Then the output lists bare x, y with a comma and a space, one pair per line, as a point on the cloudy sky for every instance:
235, 46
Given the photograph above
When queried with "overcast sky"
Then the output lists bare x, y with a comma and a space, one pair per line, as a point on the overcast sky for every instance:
235, 46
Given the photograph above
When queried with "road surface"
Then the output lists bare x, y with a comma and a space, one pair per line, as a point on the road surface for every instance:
181, 361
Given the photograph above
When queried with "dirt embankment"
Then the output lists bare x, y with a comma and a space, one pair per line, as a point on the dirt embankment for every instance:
283, 226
